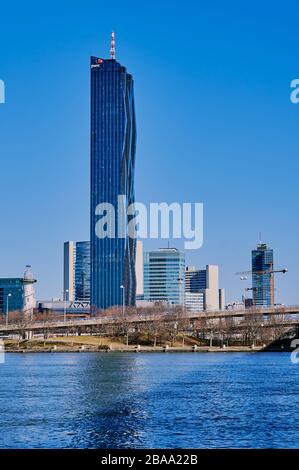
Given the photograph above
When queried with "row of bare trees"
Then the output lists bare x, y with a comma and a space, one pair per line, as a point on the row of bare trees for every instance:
171, 325
161, 324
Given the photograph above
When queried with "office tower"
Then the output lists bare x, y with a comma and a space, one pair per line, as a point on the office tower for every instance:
205, 281
195, 279
17, 294
139, 270
212, 288
262, 276
164, 276
82, 271
76, 283
113, 142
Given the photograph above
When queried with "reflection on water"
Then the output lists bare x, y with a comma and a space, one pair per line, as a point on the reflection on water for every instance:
119, 400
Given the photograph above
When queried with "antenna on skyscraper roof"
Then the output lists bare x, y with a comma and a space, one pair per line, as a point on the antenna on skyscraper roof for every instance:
112, 49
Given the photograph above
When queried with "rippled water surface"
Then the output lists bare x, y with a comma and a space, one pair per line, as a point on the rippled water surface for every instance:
158, 400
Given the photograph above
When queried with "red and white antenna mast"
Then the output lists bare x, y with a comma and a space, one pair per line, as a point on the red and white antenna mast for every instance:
112, 50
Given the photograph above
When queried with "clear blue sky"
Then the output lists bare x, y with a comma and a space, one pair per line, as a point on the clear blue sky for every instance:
215, 124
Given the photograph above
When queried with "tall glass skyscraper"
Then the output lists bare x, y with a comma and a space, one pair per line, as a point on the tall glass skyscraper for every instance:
262, 276
113, 142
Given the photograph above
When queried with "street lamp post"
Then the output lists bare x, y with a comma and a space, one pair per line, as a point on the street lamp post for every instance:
182, 283
7, 298
64, 304
244, 278
125, 324
123, 299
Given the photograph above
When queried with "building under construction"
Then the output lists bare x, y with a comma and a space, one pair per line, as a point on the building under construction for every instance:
262, 276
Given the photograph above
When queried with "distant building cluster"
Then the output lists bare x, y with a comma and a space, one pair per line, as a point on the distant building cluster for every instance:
161, 277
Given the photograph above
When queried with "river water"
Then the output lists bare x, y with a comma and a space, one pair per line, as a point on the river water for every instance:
149, 400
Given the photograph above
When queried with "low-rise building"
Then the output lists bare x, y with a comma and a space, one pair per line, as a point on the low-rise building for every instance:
17, 293
194, 301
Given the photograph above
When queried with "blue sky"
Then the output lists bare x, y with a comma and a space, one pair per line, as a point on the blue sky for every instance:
215, 124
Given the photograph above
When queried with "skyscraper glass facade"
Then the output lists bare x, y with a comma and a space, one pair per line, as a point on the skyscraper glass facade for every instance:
76, 271
164, 276
195, 279
262, 276
113, 142
82, 271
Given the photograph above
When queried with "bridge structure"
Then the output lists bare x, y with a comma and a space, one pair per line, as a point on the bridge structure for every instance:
283, 316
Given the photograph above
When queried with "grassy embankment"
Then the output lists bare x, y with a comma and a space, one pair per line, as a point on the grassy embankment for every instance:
101, 343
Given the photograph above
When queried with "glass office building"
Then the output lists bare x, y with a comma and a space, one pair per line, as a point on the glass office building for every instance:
82, 272
113, 141
195, 279
164, 276
17, 294
262, 276
76, 271
11, 294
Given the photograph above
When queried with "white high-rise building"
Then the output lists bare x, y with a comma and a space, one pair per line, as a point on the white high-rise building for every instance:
212, 289
69, 257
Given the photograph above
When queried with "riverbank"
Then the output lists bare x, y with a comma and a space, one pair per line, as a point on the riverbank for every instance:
136, 350
95, 344
89, 343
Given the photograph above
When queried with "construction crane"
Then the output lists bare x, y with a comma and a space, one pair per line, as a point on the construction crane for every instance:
271, 272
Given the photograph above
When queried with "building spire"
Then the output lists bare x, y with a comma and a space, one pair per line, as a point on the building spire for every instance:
112, 49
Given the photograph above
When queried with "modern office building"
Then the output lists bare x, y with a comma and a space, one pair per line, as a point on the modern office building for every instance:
76, 279
195, 279
82, 271
113, 142
205, 281
262, 276
194, 301
17, 294
164, 276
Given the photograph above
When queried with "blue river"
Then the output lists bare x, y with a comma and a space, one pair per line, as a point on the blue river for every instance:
149, 400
